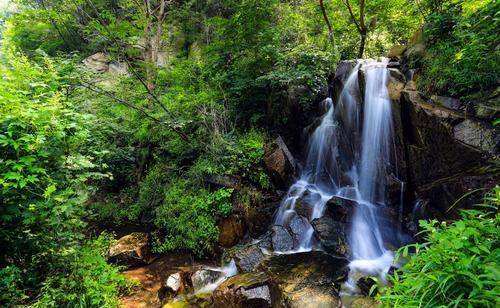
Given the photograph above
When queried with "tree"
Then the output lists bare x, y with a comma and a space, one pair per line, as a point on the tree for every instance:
360, 24
331, 34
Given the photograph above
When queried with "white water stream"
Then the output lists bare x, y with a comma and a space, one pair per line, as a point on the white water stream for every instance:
322, 176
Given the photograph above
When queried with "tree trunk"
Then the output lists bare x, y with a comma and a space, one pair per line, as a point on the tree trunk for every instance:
331, 35
362, 44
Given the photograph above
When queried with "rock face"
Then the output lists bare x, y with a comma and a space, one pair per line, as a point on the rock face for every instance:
247, 258
310, 279
98, 62
280, 163
282, 240
332, 235
246, 290
478, 135
231, 231
131, 250
340, 209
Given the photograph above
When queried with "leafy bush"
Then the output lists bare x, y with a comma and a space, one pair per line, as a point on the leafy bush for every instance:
458, 265
84, 279
462, 56
11, 286
237, 157
187, 217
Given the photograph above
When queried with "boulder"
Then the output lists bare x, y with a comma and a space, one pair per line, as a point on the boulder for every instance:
332, 235
303, 208
98, 62
203, 277
231, 231
131, 250
247, 258
280, 163
448, 102
342, 72
246, 290
281, 238
396, 83
340, 209
431, 150
298, 226
478, 135
304, 205
416, 46
118, 68
309, 279
175, 282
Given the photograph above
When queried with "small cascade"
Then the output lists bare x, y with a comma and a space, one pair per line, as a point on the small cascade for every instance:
350, 155
211, 284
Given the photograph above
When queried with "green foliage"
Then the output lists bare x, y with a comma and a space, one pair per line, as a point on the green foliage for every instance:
11, 285
238, 157
462, 57
458, 265
44, 175
186, 219
86, 279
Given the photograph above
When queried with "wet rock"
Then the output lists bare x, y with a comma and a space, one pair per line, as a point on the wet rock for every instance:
304, 205
298, 226
281, 238
265, 241
332, 235
259, 216
98, 62
247, 258
175, 282
436, 198
396, 83
342, 72
432, 152
365, 284
309, 279
150, 289
245, 290
280, 163
478, 135
448, 102
131, 250
231, 231
204, 277
303, 208
340, 209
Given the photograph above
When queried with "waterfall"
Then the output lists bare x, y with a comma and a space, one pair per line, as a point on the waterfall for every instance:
359, 124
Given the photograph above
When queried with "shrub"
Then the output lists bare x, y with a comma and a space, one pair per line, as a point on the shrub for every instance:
187, 217
457, 266
84, 279
237, 157
462, 56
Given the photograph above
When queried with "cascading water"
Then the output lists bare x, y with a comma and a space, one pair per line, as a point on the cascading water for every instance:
361, 175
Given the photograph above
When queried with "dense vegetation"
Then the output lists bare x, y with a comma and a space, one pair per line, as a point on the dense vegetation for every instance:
457, 265
81, 149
